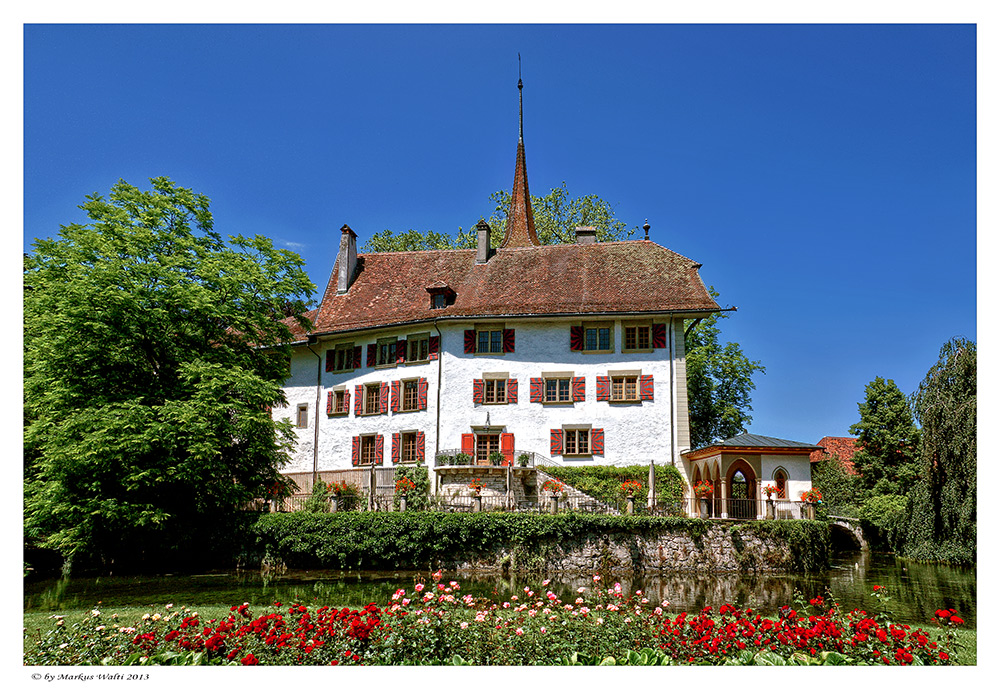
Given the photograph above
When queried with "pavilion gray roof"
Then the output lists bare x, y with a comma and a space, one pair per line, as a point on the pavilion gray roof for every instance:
753, 440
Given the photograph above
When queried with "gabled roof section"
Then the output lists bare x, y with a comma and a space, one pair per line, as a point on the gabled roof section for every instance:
564, 279
752, 442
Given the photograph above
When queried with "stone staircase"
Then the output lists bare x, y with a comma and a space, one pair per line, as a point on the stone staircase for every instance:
576, 498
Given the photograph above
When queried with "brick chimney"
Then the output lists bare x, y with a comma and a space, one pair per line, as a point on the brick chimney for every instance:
586, 235
347, 259
483, 250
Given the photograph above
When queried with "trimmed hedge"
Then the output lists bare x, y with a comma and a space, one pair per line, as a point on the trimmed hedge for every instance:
419, 540
604, 483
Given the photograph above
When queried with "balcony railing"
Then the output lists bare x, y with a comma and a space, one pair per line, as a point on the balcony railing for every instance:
522, 458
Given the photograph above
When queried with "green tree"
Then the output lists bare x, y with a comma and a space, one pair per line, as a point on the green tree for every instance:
837, 485
153, 353
556, 215
887, 438
719, 380
942, 511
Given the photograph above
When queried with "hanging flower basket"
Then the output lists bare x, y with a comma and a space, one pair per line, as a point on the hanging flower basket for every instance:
704, 488
631, 487
812, 496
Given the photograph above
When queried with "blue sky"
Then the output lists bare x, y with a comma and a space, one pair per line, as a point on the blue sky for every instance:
824, 175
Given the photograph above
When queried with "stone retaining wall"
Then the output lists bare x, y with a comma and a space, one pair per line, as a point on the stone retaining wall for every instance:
719, 550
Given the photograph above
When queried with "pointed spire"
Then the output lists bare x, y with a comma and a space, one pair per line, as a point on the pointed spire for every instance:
520, 222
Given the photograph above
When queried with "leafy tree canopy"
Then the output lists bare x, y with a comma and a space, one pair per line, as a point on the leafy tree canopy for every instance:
720, 381
887, 437
556, 215
153, 352
942, 518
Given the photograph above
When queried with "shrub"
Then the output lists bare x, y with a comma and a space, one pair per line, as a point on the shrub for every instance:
883, 517
604, 484
418, 497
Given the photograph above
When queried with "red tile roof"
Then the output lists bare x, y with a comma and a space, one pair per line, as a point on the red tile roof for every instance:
844, 448
605, 277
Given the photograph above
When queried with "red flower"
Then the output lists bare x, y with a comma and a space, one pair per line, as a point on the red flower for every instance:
249, 660
877, 587
943, 656
957, 620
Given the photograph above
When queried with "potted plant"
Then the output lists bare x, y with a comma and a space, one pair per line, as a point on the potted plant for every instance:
339, 494
462, 459
811, 498
704, 489
769, 493
630, 488
555, 488
477, 494
523, 459
496, 458
403, 486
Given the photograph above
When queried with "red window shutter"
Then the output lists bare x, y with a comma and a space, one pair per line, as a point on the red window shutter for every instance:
507, 448
579, 385
469, 444
477, 390
356, 450
422, 393
556, 441
603, 388
329, 360
378, 449
535, 389
433, 344
395, 396
659, 335
400, 351
512, 391
347, 401
329, 402
646, 387
395, 448
597, 441
359, 400
470, 341
357, 357
383, 398
508, 340
421, 446
371, 354
576, 338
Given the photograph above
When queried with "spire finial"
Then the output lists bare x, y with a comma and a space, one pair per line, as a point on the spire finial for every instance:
520, 222
520, 101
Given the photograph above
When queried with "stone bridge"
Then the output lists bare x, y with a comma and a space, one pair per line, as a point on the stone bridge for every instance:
849, 528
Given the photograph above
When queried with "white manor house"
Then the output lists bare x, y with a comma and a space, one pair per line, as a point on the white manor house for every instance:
572, 353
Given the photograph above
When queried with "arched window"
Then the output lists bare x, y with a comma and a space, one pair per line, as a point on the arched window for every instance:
781, 481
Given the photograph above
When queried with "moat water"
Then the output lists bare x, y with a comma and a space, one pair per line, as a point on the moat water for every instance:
916, 590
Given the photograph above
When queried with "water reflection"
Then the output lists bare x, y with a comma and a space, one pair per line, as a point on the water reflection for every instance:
917, 590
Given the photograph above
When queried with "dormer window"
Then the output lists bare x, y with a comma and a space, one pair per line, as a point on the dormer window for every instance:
442, 295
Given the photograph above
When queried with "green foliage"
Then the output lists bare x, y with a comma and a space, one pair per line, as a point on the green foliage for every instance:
153, 351
887, 438
556, 216
720, 380
419, 497
883, 517
942, 512
840, 490
604, 483
809, 542
319, 500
